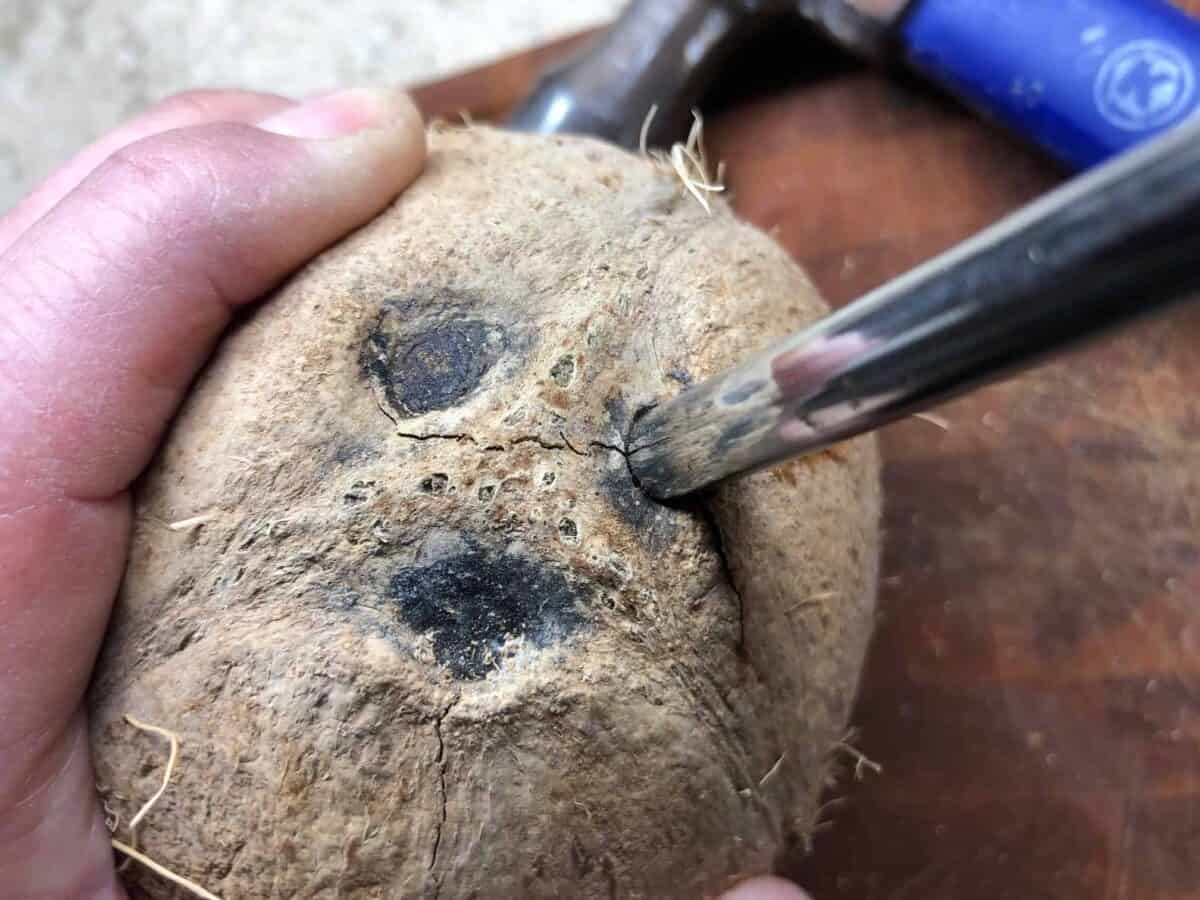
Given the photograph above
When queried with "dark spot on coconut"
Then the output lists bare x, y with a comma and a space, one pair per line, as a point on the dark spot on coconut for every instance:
618, 413
548, 478
486, 492
633, 506
434, 368
653, 521
568, 530
513, 485
471, 599
563, 371
344, 454
435, 483
359, 492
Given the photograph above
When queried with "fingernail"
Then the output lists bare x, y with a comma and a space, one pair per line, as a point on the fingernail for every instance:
765, 888
337, 114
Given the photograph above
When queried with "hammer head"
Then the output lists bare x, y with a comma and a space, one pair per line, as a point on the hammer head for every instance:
666, 53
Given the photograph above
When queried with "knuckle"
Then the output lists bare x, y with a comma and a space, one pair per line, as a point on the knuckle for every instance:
187, 163
198, 101
156, 168
180, 188
168, 182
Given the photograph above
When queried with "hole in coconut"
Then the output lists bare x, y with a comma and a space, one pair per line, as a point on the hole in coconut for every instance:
568, 530
435, 483
563, 371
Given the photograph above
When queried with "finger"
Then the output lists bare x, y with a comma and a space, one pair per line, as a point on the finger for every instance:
116, 295
108, 305
180, 111
765, 889
56, 844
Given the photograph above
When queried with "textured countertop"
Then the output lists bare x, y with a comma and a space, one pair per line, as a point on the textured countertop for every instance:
72, 69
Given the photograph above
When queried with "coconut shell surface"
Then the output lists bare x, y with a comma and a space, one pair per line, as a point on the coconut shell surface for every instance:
418, 631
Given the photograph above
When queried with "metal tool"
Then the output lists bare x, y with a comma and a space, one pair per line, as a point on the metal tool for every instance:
1114, 244
1084, 79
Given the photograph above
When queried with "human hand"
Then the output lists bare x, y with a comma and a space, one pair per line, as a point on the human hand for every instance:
117, 277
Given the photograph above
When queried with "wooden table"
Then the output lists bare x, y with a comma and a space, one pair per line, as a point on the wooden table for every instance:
1033, 689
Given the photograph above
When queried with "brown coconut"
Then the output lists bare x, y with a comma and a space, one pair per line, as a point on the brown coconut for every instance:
417, 629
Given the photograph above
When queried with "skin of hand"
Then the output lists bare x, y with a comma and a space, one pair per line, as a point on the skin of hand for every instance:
117, 277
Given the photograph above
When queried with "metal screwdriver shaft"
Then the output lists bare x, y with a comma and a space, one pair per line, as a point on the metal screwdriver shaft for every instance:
1111, 245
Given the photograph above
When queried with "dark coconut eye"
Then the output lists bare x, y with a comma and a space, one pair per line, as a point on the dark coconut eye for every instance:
420, 370
418, 630
472, 599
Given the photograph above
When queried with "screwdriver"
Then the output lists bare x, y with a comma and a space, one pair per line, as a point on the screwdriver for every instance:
1116, 243
1086, 80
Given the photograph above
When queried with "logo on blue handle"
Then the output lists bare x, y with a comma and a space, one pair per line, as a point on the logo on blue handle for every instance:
1085, 79
1144, 85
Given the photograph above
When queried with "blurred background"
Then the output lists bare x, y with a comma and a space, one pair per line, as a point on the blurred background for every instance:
72, 69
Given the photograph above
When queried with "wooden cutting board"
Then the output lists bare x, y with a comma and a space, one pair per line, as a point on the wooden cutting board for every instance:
1033, 688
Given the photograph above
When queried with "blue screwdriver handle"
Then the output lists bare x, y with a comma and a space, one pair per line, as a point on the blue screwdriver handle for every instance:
1084, 79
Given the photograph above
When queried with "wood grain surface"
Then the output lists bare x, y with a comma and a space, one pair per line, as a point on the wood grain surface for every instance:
1033, 688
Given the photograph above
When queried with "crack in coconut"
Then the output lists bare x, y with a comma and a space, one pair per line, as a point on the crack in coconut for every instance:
441, 764
473, 596
460, 437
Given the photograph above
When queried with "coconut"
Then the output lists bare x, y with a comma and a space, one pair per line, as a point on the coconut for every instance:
394, 588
